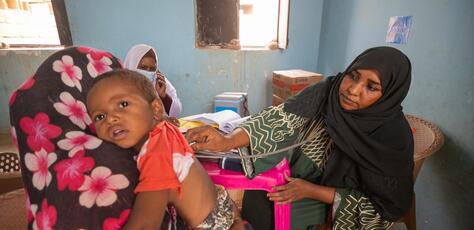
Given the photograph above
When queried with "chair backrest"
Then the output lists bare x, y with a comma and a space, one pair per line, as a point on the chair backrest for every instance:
10, 176
72, 179
12, 199
9, 162
428, 139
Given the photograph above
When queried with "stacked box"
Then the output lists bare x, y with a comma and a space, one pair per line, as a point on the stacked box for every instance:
286, 83
276, 100
235, 101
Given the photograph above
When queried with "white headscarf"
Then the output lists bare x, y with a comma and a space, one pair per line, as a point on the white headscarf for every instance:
134, 56
136, 53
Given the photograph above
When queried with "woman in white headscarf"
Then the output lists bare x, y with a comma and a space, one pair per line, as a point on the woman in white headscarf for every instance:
144, 59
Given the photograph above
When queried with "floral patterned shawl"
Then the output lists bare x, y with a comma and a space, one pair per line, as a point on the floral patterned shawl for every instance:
73, 180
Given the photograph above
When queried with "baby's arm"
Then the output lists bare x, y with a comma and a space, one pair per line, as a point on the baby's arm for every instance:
148, 210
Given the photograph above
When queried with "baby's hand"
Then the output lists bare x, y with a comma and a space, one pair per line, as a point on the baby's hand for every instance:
163, 117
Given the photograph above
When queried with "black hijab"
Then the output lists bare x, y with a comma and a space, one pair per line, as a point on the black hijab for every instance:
373, 149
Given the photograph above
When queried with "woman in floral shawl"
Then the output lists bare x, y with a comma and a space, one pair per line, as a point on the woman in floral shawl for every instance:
73, 180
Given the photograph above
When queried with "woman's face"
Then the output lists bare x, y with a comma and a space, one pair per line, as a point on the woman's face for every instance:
147, 63
359, 89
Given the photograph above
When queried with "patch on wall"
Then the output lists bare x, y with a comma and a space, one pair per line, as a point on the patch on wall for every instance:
398, 29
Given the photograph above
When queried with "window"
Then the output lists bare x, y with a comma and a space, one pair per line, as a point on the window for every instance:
242, 24
33, 23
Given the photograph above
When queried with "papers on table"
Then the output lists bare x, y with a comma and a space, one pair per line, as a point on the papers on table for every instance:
231, 125
225, 120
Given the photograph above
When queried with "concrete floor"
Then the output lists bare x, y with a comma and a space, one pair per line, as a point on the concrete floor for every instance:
398, 226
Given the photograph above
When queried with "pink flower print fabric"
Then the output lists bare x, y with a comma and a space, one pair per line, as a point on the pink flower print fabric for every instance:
73, 180
46, 217
38, 164
99, 61
70, 173
39, 132
99, 188
116, 223
70, 74
77, 140
74, 109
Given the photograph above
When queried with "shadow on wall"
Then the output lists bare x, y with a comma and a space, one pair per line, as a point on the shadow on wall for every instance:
444, 188
335, 26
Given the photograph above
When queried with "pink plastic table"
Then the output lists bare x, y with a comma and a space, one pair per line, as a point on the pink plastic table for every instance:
264, 181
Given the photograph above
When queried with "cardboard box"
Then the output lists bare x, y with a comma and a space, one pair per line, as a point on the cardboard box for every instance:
276, 100
286, 83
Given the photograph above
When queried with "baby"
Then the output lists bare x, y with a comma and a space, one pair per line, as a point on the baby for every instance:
127, 112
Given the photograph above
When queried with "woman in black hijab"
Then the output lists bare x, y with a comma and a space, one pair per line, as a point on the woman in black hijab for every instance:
357, 151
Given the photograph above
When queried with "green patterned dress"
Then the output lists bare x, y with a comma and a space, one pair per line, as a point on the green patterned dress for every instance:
274, 129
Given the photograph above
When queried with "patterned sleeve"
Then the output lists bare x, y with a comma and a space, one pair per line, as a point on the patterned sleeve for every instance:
270, 130
352, 210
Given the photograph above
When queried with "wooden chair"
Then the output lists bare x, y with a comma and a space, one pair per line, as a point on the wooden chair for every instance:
12, 194
10, 175
428, 139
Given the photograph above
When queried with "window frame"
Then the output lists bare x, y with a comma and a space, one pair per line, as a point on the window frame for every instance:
62, 28
62, 22
234, 44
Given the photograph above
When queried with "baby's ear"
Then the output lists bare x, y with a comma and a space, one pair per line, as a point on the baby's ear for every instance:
157, 107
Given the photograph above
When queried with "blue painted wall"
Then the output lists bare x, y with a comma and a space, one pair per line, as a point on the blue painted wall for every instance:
441, 49
15, 67
197, 74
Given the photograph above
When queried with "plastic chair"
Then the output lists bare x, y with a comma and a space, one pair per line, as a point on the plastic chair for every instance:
428, 139
265, 181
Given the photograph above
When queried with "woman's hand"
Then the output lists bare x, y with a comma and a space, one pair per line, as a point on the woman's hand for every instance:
295, 190
160, 84
206, 138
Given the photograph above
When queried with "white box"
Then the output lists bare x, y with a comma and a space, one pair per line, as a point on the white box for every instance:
235, 101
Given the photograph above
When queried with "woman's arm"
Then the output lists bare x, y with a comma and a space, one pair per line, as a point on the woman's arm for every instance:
175, 106
167, 101
297, 189
208, 138
148, 210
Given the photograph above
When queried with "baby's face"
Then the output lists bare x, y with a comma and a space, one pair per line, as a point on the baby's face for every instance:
120, 113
